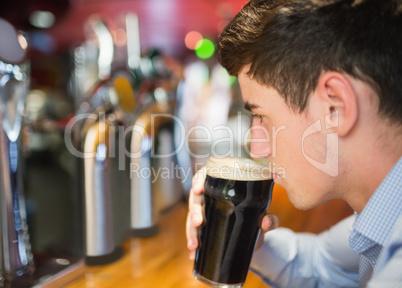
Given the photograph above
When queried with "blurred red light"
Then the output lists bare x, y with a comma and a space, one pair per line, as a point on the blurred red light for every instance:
191, 39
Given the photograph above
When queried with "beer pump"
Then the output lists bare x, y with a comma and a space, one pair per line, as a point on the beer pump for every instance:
106, 108
16, 258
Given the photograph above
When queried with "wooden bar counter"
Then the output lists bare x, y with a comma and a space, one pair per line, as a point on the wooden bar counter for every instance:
162, 261
156, 262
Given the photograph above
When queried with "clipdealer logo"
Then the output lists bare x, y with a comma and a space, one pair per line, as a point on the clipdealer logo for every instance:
243, 138
330, 165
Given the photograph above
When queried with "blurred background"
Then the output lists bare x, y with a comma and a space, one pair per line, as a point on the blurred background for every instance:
163, 24
121, 61
75, 51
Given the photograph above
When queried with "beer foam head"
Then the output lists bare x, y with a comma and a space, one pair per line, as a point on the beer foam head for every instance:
237, 169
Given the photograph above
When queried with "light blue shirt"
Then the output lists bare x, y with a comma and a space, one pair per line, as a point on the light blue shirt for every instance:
363, 250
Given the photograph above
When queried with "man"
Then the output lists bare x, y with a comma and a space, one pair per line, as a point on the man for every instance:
328, 73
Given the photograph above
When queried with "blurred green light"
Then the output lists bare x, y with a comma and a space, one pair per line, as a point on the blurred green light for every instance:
232, 79
205, 48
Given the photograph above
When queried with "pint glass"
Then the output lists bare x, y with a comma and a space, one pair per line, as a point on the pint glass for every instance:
237, 193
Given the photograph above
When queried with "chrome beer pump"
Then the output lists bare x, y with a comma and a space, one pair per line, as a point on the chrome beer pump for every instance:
155, 183
107, 107
105, 174
16, 258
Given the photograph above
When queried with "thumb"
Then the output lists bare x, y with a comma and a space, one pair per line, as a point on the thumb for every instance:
269, 222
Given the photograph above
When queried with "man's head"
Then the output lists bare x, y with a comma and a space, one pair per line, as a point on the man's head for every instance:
340, 63
290, 43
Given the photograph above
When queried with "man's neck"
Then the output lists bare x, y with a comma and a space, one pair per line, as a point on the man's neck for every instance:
369, 162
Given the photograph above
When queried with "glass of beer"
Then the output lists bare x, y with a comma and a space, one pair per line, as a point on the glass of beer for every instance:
237, 193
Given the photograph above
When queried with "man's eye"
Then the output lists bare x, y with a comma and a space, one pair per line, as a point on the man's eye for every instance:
258, 117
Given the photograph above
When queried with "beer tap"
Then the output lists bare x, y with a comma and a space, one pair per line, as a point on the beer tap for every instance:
15, 250
109, 104
105, 171
153, 150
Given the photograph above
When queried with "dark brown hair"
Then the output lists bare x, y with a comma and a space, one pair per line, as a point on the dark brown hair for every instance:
289, 43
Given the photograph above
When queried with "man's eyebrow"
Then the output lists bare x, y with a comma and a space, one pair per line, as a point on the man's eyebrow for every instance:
250, 106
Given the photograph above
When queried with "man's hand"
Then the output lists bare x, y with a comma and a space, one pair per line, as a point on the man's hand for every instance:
195, 211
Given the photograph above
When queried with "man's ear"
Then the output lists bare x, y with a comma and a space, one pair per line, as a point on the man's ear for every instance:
339, 102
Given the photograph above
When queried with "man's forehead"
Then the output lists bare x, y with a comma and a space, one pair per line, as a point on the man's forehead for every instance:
244, 72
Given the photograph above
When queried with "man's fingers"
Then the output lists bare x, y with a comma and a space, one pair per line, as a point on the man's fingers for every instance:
195, 204
191, 256
194, 219
269, 222
191, 233
195, 213
198, 181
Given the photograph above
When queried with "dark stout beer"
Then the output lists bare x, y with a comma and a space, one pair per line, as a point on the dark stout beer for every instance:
237, 193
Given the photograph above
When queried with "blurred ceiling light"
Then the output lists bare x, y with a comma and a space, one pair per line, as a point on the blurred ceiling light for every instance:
205, 49
35, 102
191, 39
42, 19
23, 41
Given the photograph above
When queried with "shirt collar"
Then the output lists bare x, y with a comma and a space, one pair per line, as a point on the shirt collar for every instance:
379, 216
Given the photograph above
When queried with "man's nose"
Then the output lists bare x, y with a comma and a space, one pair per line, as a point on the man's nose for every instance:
259, 143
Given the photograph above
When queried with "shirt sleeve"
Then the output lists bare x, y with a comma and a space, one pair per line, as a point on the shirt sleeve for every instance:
289, 259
